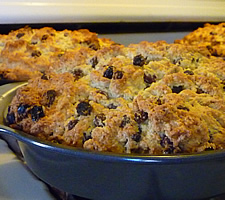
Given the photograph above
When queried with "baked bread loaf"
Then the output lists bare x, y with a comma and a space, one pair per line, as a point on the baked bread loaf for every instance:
211, 36
147, 98
27, 52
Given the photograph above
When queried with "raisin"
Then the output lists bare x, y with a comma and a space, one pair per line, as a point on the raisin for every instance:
95, 47
99, 120
177, 61
36, 53
72, 123
215, 43
86, 137
167, 144
22, 110
164, 141
149, 78
11, 118
137, 136
194, 60
159, 101
34, 42
183, 108
210, 137
213, 33
189, 72
125, 121
44, 76
84, 108
199, 91
60, 55
215, 53
44, 37
139, 60
51, 94
140, 117
223, 83
112, 106
118, 75
177, 89
209, 47
87, 42
108, 72
3, 75
169, 150
77, 73
37, 113
56, 140
19, 35
9, 109
94, 62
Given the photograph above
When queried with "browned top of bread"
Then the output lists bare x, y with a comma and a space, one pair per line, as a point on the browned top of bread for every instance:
211, 36
27, 52
153, 98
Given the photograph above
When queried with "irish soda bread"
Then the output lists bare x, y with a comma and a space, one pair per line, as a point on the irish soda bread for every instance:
210, 36
153, 98
27, 52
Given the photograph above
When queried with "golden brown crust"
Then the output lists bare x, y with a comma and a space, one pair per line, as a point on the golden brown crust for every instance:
154, 98
26, 52
211, 36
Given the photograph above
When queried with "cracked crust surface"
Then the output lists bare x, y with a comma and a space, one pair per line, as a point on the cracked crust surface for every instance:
153, 98
211, 36
27, 52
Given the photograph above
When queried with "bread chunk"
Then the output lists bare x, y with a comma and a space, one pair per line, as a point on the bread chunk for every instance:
211, 36
27, 52
147, 98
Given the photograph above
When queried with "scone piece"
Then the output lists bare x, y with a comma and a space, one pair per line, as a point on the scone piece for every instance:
124, 71
27, 52
167, 117
211, 36
147, 98
64, 110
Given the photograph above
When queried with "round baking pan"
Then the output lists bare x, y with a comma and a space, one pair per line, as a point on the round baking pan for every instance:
107, 176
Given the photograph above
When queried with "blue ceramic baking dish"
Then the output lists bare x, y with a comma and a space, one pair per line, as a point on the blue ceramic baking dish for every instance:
108, 176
